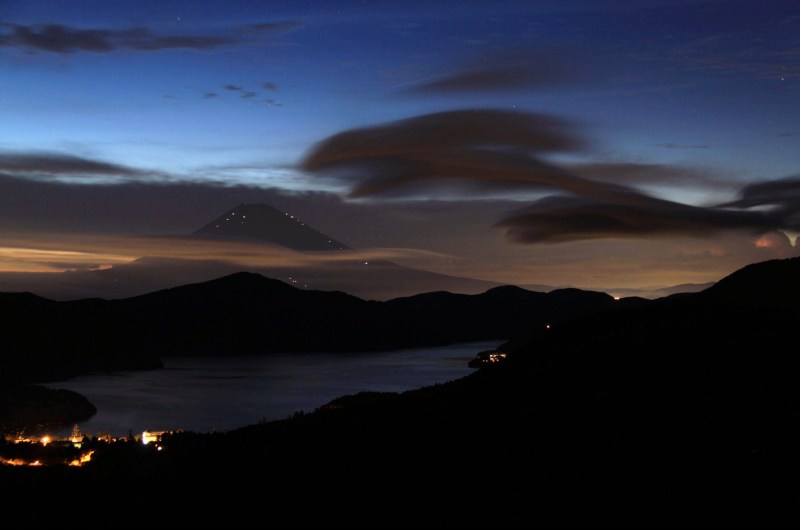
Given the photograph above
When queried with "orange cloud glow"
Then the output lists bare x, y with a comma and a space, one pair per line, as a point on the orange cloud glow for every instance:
58, 254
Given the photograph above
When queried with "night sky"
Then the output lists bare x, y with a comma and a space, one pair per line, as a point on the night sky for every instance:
601, 144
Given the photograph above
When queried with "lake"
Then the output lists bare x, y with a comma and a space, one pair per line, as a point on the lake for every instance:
204, 394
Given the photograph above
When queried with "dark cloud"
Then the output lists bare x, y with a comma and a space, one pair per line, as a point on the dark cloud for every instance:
780, 197
248, 95
511, 70
210, 95
761, 208
490, 150
52, 164
232, 87
477, 145
270, 86
769, 193
62, 39
58, 38
480, 128
479, 150
561, 219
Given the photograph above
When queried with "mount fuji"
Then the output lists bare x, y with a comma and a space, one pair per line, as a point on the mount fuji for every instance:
263, 223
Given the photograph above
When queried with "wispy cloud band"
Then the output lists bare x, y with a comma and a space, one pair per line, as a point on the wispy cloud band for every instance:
57, 38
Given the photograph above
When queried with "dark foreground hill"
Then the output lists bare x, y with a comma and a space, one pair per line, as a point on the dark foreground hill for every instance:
683, 410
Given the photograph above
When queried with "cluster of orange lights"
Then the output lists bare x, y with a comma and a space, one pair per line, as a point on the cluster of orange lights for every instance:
77, 462
76, 440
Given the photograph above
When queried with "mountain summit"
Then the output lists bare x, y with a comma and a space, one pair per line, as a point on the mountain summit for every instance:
263, 223
373, 279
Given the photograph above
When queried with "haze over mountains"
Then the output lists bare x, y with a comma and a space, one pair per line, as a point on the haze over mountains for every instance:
313, 260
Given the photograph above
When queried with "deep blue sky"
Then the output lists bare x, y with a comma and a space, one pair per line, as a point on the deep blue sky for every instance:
590, 143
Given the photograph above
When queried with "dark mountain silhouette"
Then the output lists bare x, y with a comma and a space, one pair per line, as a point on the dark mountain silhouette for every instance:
686, 406
247, 313
770, 283
263, 223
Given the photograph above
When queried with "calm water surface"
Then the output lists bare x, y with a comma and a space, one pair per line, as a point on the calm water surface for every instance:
212, 394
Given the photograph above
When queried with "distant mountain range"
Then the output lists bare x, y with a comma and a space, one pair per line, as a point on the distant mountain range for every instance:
658, 292
263, 224
247, 313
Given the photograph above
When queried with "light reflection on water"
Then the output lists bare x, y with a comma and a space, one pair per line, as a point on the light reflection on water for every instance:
213, 394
